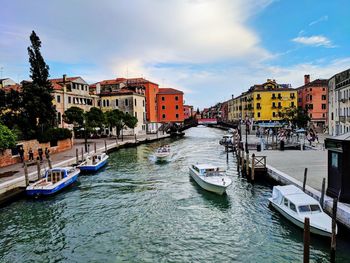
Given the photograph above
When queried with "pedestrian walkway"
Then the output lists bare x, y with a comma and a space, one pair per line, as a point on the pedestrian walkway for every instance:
15, 172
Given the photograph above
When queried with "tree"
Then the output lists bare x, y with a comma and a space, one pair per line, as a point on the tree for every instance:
38, 107
7, 138
74, 115
130, 121
95, 118
297, 116
115, 118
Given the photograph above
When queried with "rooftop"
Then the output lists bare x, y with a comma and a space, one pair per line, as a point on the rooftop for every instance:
169, 91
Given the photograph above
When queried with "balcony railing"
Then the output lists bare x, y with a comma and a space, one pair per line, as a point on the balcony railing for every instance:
279, 97
273, 97
258, 98
342, 118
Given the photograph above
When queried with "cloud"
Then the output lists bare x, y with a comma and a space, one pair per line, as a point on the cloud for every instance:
316, 41
321, 19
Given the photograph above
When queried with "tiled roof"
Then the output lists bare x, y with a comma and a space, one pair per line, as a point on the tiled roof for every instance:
61, 79
316, 83
169, 91
119, 92
15, 87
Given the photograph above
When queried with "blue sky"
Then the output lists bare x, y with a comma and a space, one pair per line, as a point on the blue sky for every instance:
209, 49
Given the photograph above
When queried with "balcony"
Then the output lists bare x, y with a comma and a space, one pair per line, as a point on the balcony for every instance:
273, 106
342, 119
273, 97
258, 98
279, 97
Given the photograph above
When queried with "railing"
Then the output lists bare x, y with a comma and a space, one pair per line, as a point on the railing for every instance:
259, 161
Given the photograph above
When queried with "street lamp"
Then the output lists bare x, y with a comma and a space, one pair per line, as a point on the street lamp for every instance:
85, 135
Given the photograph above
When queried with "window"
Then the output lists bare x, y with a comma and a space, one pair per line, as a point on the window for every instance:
304, 208
324, 97
163, 116
176, 107
107, 102
292, 104
135, 114
310, 97
135, 102
116, 102
310, 89
176, 98
332, 117
143, 103
258, 106
323, 106
163, 107
292, 207
258, 114
279, 105
126, 102
58, 98
177, 116
315, 208
285, 202
104, 103
310, 106
323, 115
58, 117
163, 98
69, 99
273, 114
273, 105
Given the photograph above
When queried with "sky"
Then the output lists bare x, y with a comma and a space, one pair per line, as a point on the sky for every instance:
210, 49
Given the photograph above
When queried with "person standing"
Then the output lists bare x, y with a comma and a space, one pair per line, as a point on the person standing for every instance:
40, 153
21, 154
31, 154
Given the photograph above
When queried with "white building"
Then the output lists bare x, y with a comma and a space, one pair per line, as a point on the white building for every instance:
339, 103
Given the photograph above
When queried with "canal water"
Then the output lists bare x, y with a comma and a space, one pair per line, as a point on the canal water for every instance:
139, 210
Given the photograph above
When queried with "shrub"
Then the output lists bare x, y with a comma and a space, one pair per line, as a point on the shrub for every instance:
55, 134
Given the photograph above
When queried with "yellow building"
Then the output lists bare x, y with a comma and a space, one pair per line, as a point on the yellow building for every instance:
264, 102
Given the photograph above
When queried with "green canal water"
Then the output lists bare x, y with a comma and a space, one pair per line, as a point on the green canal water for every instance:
138, 210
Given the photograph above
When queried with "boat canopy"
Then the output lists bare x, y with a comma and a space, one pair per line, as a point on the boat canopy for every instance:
205, 166
293, 194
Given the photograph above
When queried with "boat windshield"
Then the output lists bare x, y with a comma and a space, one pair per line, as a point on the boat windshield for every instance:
315, 208
304, 208
309, 208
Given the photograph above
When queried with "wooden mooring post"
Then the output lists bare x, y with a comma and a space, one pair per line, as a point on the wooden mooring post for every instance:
49, 162
82, 154
105, 146
77, 155
253, 168
26, 174
322, 192
238, 155
135, 138
247, 165
334, 229
305, 177
95, 149
116, 140
242, 162
306, 240
38, 168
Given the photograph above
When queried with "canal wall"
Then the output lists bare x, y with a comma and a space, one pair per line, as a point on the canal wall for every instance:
13, 187
343, 211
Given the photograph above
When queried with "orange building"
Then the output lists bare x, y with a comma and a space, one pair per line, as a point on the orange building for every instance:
170, 105
313, 96
188, 111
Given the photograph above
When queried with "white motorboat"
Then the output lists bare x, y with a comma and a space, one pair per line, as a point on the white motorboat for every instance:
210, 178
295, 205
162, 152
226, 140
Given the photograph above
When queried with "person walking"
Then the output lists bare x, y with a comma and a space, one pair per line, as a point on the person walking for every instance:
31, 154
47, 153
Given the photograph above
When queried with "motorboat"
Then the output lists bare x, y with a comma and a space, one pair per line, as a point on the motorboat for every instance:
227, 140
210, 178
295, 205
93, 162
54, 180
162, 152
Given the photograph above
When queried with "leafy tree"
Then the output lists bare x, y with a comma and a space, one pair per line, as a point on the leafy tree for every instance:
95, 118
37, 95
130, 121
115, 118
297, 116
74, 115
7, 138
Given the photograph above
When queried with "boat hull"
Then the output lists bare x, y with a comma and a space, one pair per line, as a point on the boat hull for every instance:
298, 222
51, 191
207, 186
93, 168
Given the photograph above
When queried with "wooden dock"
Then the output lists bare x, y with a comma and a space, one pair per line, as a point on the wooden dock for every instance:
251, 166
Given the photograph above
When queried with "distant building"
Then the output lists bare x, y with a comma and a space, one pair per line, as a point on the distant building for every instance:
6, 82
129, 102
170, 105
68, 92
313, 97
339, 103
188, 111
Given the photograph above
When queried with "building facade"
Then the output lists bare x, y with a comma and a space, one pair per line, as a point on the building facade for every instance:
68, 92
170, 105
339, 103
188, 111
313, 97
129, 102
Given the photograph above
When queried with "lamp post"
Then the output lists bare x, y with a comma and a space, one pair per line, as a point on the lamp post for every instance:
85, 135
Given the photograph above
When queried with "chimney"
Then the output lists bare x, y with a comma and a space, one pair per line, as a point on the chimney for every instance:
98, 88
306, 79
233, 96
64, 79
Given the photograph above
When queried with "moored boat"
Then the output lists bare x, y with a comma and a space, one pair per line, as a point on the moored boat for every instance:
227, 140
93, 162
210, 178
295, 205
54, 180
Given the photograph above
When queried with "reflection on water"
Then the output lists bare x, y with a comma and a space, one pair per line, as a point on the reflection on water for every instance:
140, 210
